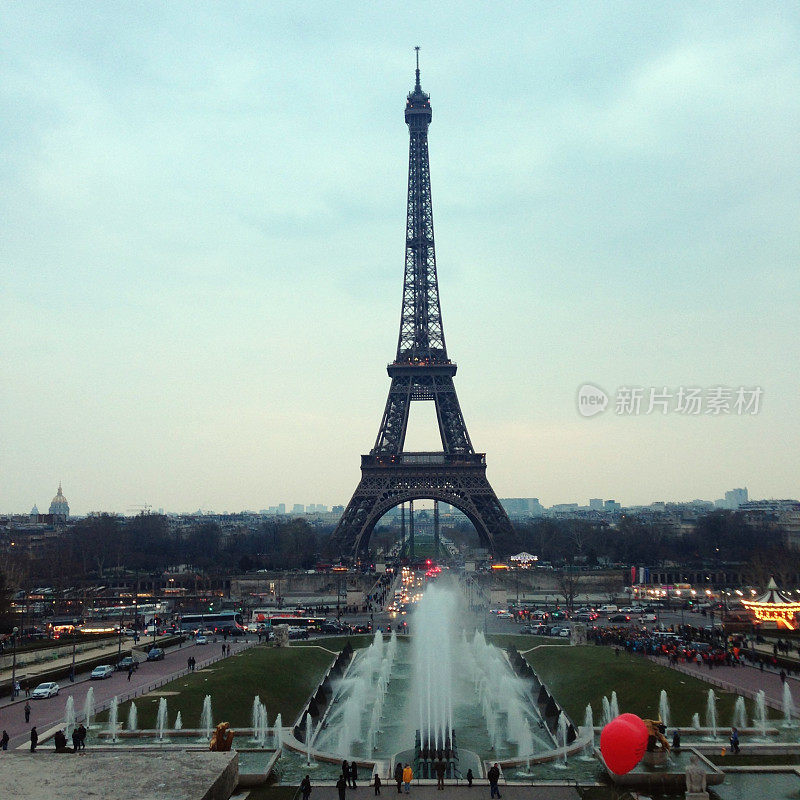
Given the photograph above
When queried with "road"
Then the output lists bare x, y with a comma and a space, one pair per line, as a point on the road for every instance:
48, 712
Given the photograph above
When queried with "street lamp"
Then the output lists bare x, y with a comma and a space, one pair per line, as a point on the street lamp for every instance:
14, 661
72, 671
119, 640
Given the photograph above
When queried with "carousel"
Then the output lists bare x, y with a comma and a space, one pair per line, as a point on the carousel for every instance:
774, 606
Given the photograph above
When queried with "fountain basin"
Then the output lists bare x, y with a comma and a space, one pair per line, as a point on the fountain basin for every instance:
671, 777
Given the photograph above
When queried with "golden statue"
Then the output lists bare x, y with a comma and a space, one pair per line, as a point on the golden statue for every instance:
655, 733
222, 738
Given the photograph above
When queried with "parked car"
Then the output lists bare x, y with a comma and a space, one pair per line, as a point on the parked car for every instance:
564, 632
126, 663
45, 690
296, 632
156, 654
200, 640
619, 618
102, 672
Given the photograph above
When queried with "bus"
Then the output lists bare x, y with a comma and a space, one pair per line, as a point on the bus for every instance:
230, 621
297, 621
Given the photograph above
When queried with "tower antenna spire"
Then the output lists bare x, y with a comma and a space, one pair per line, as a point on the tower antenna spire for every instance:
417, 86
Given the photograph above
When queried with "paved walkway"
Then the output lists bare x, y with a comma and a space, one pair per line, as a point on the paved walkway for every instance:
743, 680
479, 791
48, 712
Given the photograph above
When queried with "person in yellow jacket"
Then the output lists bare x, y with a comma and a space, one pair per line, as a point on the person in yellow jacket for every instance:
408, 776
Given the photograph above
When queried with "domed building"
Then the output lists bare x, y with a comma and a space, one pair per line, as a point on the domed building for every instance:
59, 504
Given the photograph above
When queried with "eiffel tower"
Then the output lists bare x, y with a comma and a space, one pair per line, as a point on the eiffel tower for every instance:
421, 371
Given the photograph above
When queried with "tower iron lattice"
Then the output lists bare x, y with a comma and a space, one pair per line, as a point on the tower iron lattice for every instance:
421, 371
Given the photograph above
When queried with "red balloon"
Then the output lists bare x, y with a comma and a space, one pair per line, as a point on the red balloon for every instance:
623, 742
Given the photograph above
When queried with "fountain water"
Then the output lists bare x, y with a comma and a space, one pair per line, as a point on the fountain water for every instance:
309, 727
711, 713
263, 724
206, 719
255, 715
133, 718
88, 707
561, 735
588, 731
161, 718
178, 722
277, 735
696, 721
69, 717
663, 707
606, 711
739, 714
761, 713
614, 704
112, 719
788, 706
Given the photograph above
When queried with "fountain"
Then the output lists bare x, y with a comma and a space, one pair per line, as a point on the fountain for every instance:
133, 718
561, 738
206, 719
178, 722
663, 708
761, 713
88, 707
69, 717
277, 735
614, 705
112, 719
606, 711
696, 721
309, 727
161, 718
587, 729
788, 706
739, 714
711, 713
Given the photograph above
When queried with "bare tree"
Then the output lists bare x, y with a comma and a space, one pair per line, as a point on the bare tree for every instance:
568, 584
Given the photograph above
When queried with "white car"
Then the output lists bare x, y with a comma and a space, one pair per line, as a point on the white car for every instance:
647, 618
200, 640
101, 672
45, 690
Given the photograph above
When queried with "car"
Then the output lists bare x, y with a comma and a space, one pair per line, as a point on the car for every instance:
155, 654
647, 618
564, 632
102, 672
129, 662
200, 640
619, 618
332, 626
608, 609
45, 690
362, 628
296, 632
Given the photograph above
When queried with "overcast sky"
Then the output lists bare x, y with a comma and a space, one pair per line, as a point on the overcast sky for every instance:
202, 210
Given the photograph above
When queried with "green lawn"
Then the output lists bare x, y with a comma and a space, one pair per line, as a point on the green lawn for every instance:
524, 641
581, 675
283, 677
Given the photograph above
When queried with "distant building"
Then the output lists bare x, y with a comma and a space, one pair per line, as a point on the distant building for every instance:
59, 505
612, 505
298, 508
596, 504
735, 498
281, 508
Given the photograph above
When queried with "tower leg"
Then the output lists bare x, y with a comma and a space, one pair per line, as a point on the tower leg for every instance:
411, 530
436, 529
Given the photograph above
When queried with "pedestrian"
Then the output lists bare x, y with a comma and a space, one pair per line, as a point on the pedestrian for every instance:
470, 777
353, 774
60, 742
34, 739
82, 732
398, 776
441, 768
189, 664
735, 741
27, 711
305, 787
4, 740
130, 672
494, 776
27, 689
408, 776
16, 688
676, 740
346, 772
377, 784
76, 740
341, 785
223, 651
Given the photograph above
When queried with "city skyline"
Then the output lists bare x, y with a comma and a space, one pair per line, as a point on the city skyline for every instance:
202, 253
